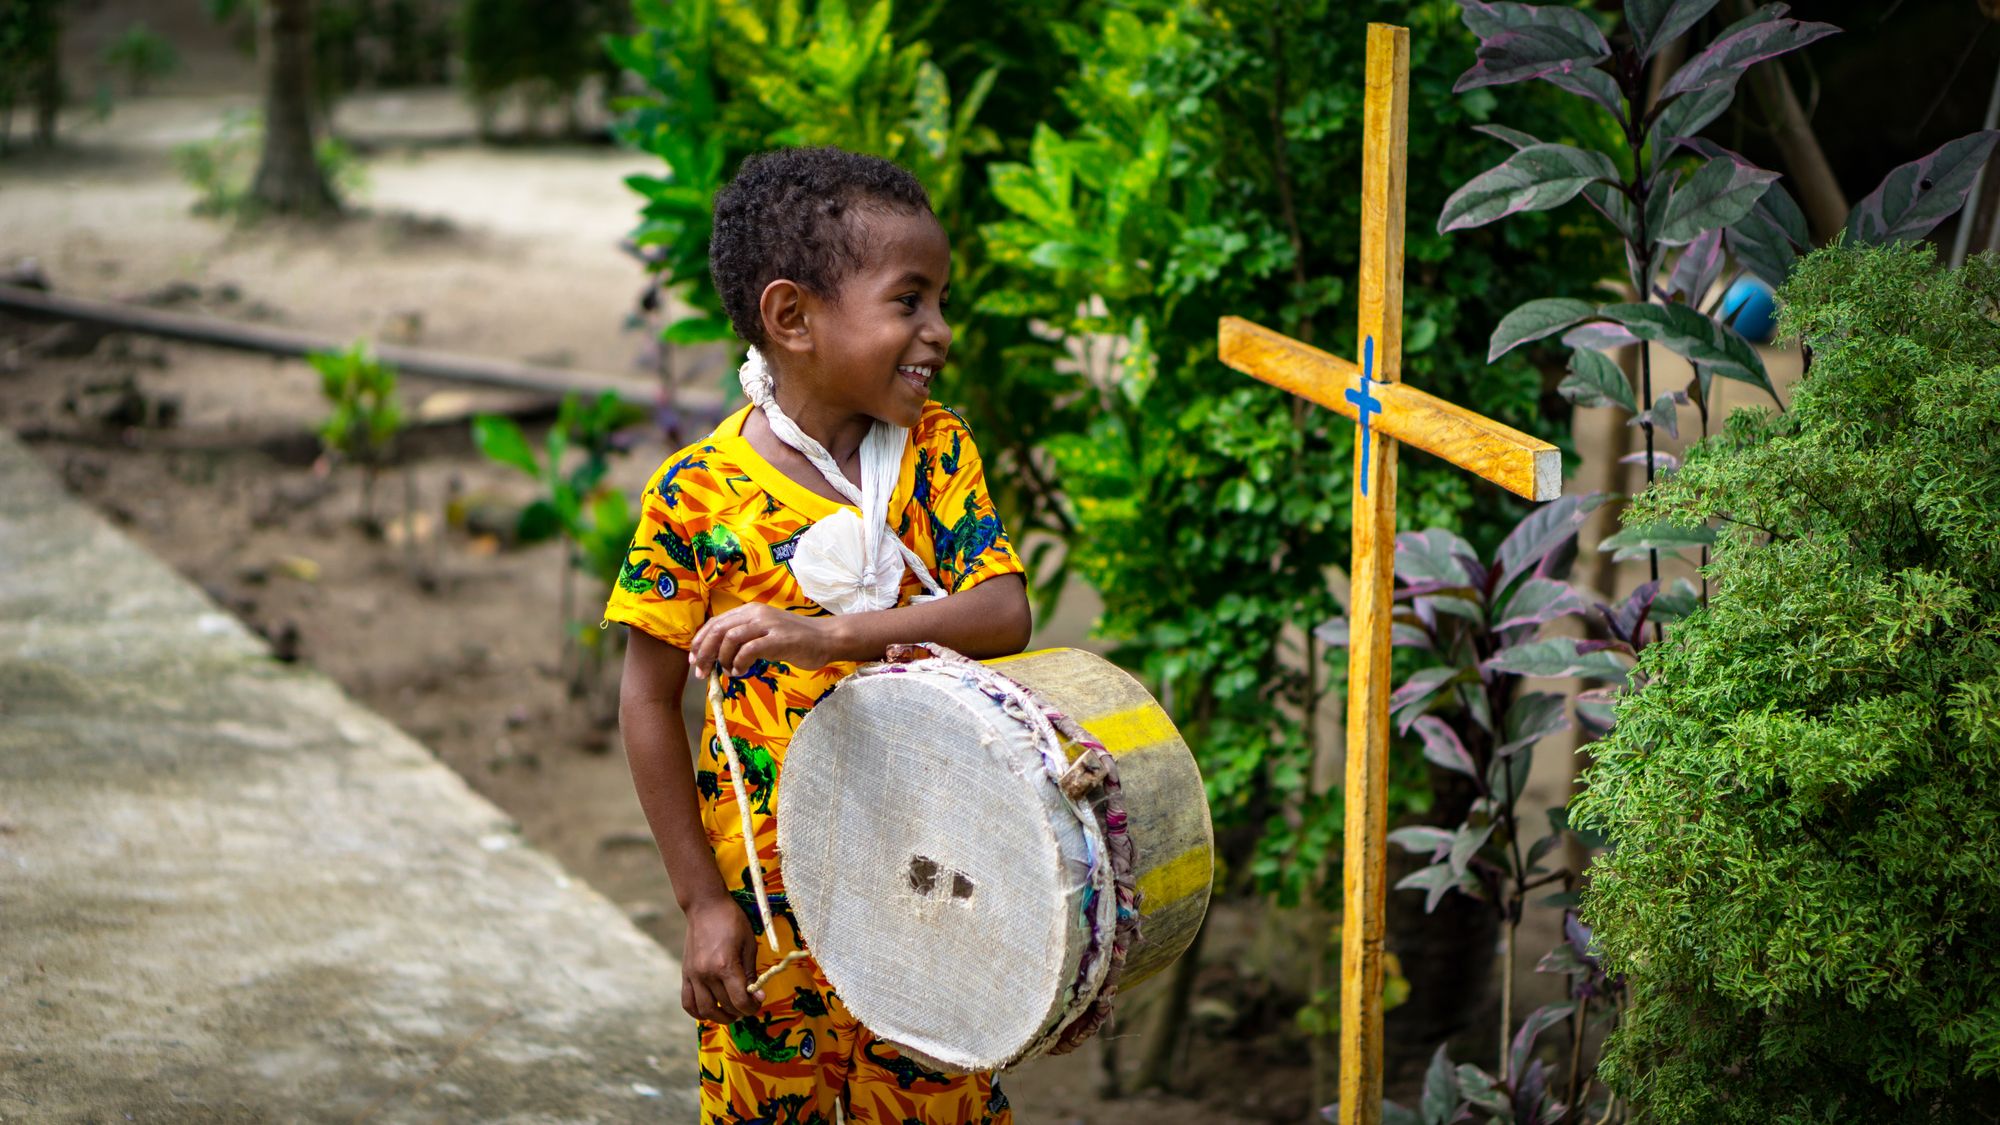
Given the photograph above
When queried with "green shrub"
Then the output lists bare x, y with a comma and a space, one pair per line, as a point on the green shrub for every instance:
365, 419
141, 55
542, 49
1805, 795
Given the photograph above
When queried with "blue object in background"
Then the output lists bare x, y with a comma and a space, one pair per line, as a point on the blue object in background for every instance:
1748, 308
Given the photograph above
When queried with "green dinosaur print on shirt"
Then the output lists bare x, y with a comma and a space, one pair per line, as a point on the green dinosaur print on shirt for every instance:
752, 1035
632, 576
760, 770
719, 544
676, 548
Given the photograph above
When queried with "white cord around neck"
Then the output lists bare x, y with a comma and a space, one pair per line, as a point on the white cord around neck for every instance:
855, 573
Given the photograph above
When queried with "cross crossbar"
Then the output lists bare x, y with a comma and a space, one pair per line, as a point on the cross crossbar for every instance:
1520, 463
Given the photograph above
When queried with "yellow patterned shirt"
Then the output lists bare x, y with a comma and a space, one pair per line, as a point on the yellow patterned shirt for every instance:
717, 528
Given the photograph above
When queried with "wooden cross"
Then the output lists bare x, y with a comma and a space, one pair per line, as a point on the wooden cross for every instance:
1390, 415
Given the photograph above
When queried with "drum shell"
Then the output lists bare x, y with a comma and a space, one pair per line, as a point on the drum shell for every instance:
1166, 806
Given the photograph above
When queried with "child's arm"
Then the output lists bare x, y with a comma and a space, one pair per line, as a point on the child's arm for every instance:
721, 953
990, 619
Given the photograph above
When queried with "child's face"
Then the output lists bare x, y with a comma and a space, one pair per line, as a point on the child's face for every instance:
877, 347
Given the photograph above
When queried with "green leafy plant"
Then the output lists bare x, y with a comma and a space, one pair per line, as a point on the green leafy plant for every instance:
1153, 166
594, 520
1667, 193
1476, 627
726, 78
1802, 795
366, 418
542, 51
142, 55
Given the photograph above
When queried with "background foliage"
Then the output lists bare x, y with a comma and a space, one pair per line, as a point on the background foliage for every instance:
1803, 793
1127, 174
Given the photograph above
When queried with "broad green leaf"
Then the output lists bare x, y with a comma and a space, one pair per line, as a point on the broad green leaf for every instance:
1594, 380
1440, 1097
501, 440
1592, 83
1534, 320
1687, 115
1759, 243
1522, 41
1507, 774
1538, 1021
1018, 189
1737, 51
1443, 747
697, 330
1435, 881
1422, 839
1719, 193
1533, 716
1608, 200
1696, 338
1534, 179
1556, 657
1539, 601
1697, 269
1512, 136
1915, 197
1664, 413
538, 521
1541, 533
1635, 542
1466, 842
1655, 23
1430, 556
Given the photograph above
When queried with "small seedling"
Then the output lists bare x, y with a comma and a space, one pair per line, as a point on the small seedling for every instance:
366, 419
594, 521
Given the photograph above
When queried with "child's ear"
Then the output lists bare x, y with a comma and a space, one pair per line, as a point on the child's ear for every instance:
783, 308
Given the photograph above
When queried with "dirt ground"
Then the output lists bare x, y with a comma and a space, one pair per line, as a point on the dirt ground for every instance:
206, 457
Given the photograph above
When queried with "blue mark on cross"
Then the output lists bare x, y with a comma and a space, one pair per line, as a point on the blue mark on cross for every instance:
1365, 404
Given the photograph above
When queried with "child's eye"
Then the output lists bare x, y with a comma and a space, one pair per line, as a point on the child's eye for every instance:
908, 301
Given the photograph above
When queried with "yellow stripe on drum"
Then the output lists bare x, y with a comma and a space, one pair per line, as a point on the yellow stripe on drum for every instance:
1124, 731
1186, 874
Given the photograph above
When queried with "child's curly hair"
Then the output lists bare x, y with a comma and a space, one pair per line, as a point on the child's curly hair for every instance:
789, 213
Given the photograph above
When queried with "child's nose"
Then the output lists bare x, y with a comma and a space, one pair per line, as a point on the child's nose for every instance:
937, 332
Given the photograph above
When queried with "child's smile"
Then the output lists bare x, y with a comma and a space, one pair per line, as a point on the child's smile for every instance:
876, 345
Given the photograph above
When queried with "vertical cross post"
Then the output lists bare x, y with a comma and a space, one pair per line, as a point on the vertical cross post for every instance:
1391, 416
1371, 579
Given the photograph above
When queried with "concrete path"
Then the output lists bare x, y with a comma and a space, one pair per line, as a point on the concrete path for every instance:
229, 893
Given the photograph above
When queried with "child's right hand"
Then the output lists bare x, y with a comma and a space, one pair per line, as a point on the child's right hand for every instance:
720, 962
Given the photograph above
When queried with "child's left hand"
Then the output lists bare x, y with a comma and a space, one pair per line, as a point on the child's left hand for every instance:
753, 632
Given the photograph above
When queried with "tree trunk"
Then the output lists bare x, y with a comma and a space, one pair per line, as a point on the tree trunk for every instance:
48, 87
289, 179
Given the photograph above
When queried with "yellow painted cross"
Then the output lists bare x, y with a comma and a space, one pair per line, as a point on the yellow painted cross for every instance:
1390, 415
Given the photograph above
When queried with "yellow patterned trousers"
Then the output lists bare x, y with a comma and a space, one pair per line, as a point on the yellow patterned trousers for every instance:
804, 1051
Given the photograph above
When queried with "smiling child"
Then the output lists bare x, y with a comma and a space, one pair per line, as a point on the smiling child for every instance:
834, 271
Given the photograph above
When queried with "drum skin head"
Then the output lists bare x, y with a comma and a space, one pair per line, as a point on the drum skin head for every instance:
936, 874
